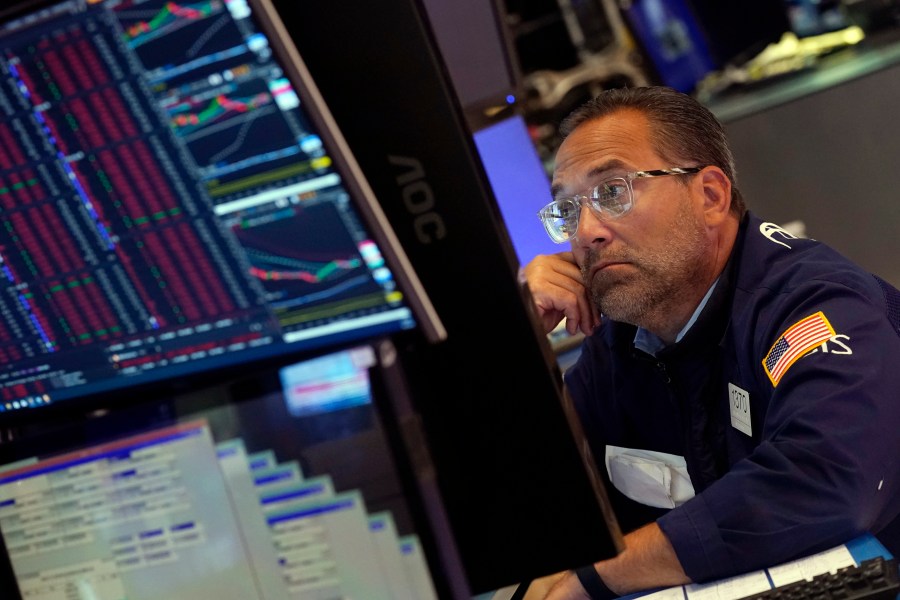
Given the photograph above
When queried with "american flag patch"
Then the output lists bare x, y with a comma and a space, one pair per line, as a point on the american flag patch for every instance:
800, 338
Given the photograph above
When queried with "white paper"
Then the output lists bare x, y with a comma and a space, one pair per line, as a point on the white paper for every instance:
730, 588
672, 593
828, 561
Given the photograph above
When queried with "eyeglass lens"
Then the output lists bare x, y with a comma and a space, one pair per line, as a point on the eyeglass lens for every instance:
610, 199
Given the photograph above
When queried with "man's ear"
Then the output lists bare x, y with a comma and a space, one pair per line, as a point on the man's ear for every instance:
716, 193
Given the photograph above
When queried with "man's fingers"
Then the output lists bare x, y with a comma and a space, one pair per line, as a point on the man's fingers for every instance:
556, 286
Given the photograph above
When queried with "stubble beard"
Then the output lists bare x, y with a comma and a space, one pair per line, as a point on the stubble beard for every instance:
657, 282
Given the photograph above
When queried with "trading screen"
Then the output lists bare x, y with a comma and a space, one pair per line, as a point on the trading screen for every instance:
167, 203
173, 514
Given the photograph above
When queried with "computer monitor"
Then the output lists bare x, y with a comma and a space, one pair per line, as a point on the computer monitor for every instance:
477, 50
191, 258
488, 398
175, 201
271, 487
184, 228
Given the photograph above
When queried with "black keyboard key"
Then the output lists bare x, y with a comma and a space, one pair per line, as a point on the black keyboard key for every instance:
873, 579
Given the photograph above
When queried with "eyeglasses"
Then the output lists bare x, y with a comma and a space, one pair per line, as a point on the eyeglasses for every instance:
608, 200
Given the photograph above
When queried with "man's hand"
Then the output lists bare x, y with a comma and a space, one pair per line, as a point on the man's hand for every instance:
559, 293
648, 561
562, 585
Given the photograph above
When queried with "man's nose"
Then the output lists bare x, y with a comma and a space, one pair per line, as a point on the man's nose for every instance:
591, 228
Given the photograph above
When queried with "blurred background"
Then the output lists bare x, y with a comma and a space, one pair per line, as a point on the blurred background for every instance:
806, 89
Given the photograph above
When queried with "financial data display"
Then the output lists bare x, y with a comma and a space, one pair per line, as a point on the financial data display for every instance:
167, 202
173, 513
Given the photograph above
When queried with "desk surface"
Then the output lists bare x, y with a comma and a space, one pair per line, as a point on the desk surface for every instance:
860, 549
874, 53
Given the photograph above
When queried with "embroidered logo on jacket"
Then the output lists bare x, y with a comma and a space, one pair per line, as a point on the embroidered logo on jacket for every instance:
770, 229
800, 338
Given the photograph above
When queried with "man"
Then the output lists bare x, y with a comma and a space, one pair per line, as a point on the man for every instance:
739, 384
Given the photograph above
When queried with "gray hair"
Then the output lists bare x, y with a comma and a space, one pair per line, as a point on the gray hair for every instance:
681, 127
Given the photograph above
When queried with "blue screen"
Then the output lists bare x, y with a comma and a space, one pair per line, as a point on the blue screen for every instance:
520, 184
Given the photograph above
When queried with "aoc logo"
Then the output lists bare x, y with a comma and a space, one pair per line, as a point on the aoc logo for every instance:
770, 230
418, 199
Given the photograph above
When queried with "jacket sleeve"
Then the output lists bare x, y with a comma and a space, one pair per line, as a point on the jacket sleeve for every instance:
827, 466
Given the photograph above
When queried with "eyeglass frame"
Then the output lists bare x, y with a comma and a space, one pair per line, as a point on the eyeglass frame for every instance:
599, 211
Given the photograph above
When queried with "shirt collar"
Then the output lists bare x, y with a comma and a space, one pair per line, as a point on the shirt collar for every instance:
650, 342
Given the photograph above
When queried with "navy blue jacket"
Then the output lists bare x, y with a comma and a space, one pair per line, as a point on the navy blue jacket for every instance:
822, 462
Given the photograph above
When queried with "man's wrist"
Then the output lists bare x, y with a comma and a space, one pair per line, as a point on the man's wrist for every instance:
593, 584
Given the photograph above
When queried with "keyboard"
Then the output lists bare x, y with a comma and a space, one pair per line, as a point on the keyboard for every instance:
873, 579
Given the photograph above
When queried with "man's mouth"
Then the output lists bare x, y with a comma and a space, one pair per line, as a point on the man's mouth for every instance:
605, 266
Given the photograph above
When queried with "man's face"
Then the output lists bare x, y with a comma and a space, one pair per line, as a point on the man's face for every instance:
646, 265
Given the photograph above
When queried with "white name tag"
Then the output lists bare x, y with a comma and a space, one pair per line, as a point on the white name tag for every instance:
740, 409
